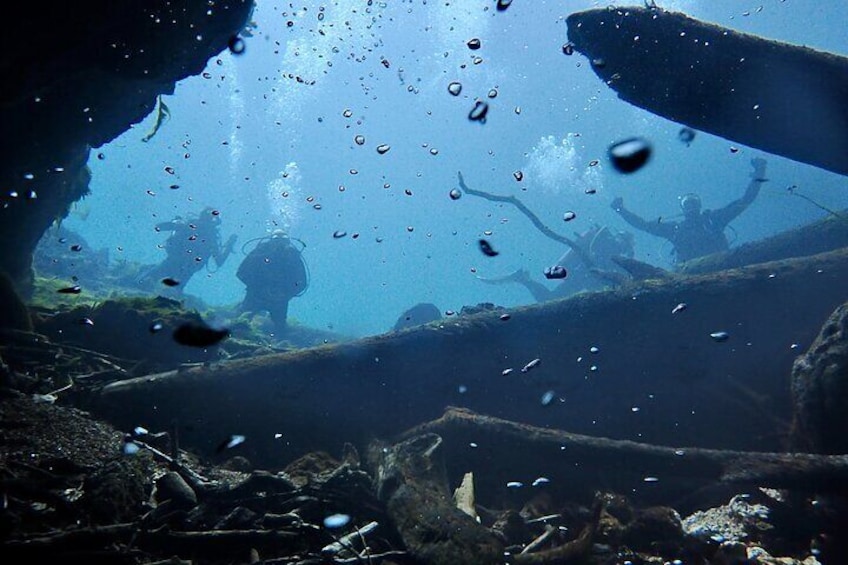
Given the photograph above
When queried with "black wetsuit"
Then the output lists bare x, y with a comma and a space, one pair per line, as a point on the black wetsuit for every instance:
273, 273
188, 249
696, 235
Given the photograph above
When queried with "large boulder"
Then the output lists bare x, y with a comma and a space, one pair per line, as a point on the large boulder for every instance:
820, 389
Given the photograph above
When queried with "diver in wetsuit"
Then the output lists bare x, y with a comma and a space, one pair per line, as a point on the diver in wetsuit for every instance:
273, 273
701, 232
189, 248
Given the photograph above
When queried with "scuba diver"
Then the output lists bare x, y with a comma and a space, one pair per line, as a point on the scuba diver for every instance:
701, 232
593, 269
189, 248
273, 273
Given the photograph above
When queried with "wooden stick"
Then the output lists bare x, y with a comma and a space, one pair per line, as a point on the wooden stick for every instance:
601, 459
534, 219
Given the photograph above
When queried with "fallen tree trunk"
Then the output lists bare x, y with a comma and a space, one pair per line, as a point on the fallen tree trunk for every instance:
824, 235
505, 451
616, 363
717, 80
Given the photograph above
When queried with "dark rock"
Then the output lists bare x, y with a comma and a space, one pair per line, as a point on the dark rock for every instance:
116, 492
309, 467
78, 76
419, 314
171, 486
240, 518
273, 521
237, 463
820, 389
820, 393
512, 529
658, 527
731, 553
411, 479
13, 312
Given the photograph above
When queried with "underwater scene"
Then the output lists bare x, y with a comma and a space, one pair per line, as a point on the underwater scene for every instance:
425, 282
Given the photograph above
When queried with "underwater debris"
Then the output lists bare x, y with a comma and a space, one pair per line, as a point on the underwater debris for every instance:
347, 542
198, 335
463, 496
486, 248
720, 336
163, 114
411, 480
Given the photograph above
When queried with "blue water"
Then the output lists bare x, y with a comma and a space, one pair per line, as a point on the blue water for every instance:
245, 132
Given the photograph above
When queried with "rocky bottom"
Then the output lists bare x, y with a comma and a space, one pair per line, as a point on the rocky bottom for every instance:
75, 488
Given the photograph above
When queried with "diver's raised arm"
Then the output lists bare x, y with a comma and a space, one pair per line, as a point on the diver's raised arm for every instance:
170, 225
724, 216
654, 228
222, 255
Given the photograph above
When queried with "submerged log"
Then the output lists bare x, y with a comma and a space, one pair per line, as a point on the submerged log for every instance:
616, 363
583, 464
781, 98
821, 236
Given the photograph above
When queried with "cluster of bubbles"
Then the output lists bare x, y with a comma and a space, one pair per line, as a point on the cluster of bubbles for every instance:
309, 55
555, 166
235, 101
455, 23
282, 193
